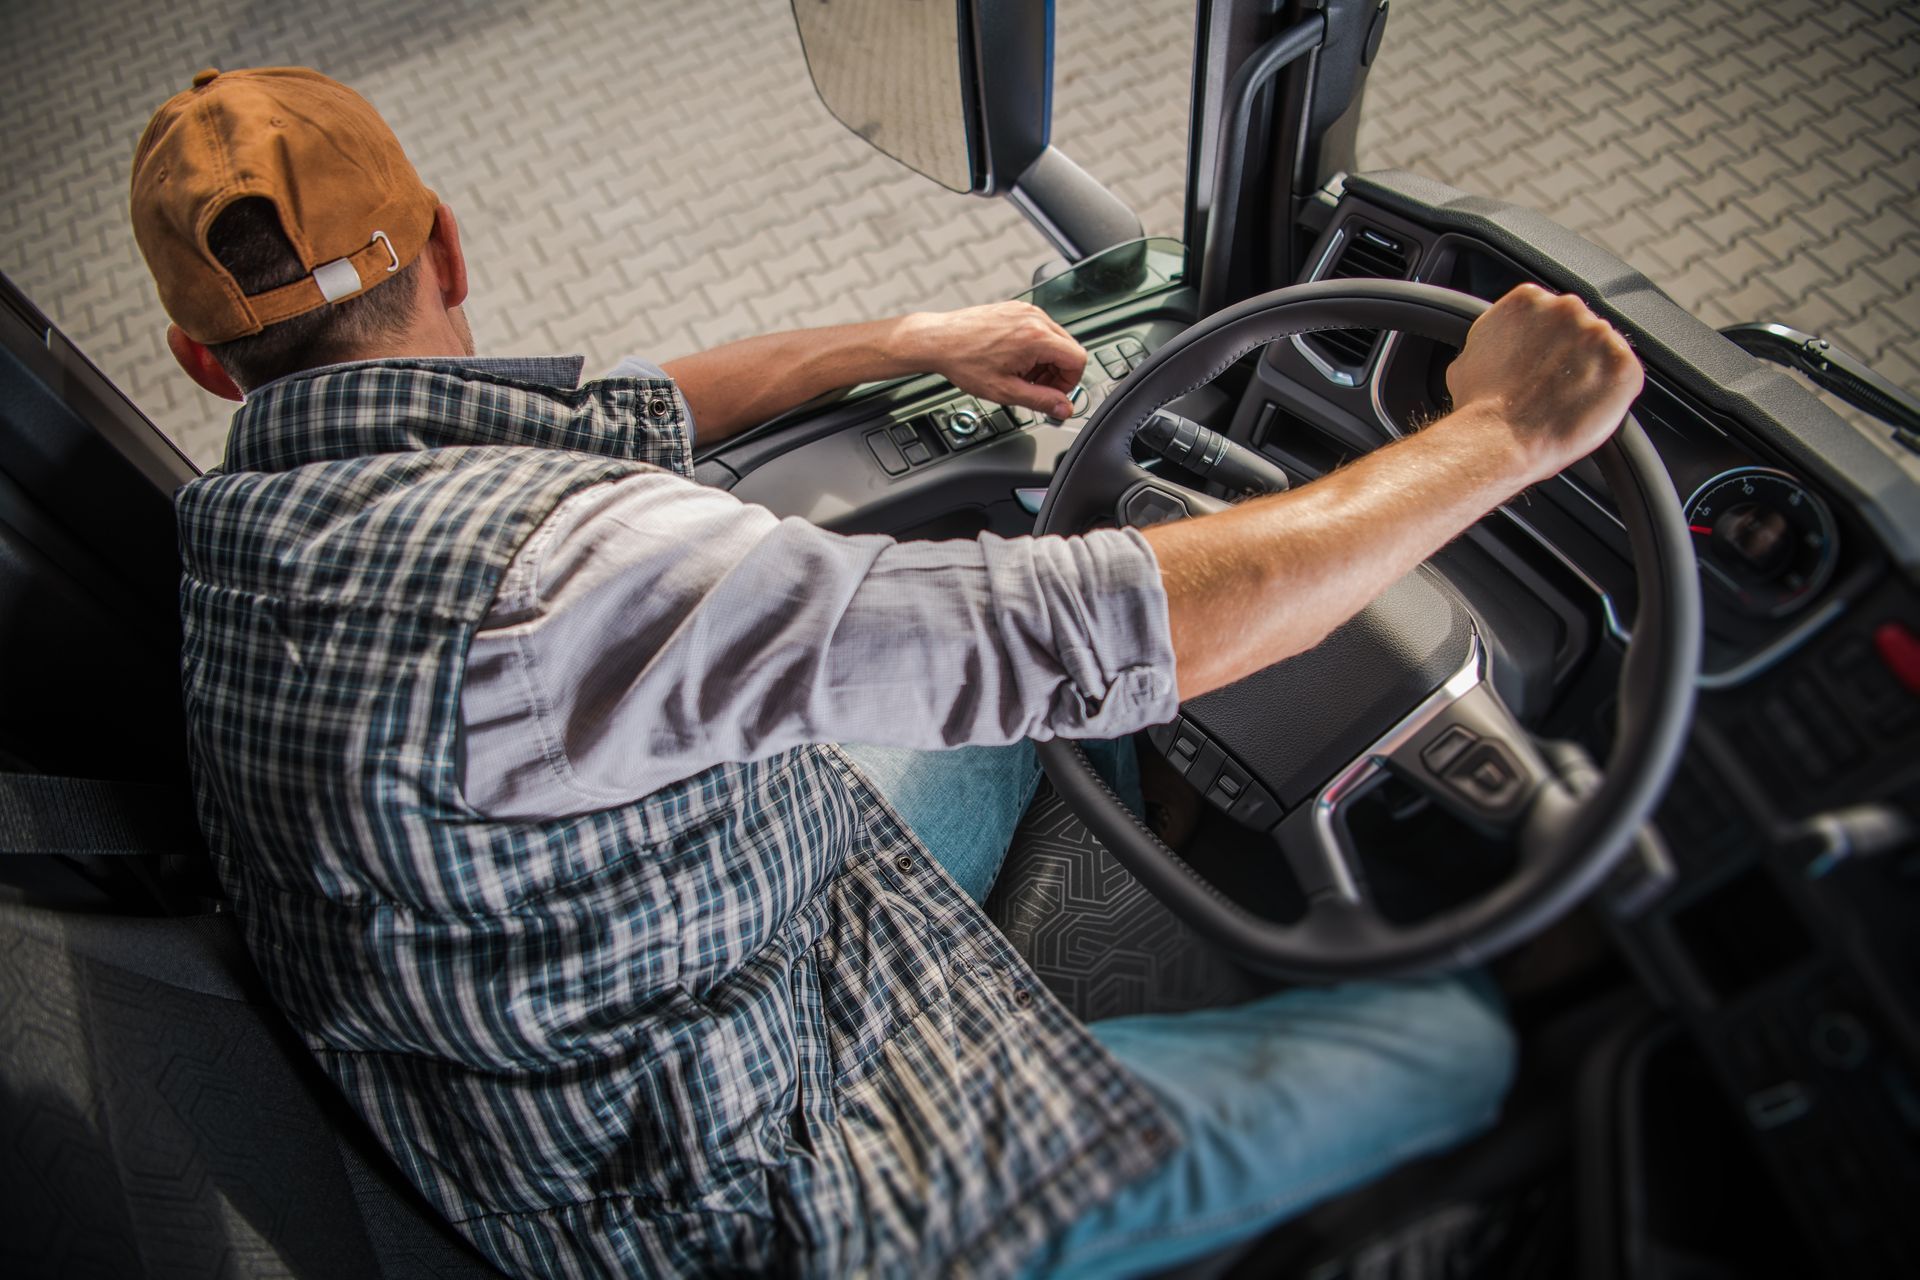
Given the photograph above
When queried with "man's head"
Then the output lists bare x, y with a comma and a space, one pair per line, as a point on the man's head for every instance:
285, 229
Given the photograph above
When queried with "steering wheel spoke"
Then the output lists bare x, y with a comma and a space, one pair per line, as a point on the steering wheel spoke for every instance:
1320, 862
1475, 759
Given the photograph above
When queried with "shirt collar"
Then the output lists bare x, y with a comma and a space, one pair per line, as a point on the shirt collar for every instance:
419, 405
548, 371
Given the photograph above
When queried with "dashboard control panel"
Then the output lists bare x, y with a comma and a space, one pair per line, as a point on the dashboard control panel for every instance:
966, 422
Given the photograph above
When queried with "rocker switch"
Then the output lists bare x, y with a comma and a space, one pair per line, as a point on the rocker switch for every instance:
1185, 746
1228, 786
1446, 748
886, 453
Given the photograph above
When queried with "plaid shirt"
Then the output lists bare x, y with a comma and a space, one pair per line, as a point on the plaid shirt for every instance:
744, 1024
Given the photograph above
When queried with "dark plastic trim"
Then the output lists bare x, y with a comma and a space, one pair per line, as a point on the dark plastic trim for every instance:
1696, 361
1078, 216
1254, 77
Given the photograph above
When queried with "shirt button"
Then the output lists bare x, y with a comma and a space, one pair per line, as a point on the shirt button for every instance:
660, 407
904, 862
1022, 997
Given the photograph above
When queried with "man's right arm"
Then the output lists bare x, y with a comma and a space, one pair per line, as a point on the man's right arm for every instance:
1541, 383
653, 627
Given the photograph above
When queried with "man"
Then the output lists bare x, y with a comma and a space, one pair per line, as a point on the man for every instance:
511, 740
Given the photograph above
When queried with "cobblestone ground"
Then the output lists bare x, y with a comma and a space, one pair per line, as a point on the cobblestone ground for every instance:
655, 176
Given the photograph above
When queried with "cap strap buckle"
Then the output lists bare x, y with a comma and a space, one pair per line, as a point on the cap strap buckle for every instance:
331, 281
341, 279
393, 259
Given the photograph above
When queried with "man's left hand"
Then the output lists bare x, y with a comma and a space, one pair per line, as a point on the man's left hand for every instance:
1006, 352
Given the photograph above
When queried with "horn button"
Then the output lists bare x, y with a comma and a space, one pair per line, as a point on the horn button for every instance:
1267, 744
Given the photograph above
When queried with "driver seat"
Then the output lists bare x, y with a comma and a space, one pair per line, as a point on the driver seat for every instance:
162, 1115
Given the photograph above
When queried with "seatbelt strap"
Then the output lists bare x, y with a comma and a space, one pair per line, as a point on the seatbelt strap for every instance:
93, 816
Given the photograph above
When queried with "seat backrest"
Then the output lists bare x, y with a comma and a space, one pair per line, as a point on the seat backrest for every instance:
159, 1116
161, 1120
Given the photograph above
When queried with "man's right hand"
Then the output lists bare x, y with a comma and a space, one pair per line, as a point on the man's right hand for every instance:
1549, 372
1541, 383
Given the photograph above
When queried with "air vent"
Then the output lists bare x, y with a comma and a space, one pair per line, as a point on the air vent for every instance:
1365, 254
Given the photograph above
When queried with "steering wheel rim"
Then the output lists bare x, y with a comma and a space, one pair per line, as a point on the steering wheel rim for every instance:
1576, 824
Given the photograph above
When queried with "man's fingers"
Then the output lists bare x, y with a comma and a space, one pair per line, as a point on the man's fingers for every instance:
1055, 346
1052, 375
1037, 396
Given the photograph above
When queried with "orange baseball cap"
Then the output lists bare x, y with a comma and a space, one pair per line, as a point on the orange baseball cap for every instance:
348, 198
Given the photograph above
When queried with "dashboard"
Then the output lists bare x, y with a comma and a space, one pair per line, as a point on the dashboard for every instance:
1771, 904
1778, 562
1775, 923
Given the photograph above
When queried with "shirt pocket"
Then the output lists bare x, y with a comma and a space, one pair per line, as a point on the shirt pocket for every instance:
884, 964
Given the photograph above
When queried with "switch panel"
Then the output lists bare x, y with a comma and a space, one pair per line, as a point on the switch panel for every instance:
1216, 775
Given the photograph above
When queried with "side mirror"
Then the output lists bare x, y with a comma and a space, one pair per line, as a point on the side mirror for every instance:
961, 93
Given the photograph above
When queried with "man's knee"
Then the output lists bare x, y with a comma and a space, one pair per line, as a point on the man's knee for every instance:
1459, 1028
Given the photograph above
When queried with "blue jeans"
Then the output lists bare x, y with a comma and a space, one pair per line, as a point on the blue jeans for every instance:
1282, 1102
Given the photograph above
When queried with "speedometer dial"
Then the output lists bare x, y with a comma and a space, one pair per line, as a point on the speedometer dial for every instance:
1765, 542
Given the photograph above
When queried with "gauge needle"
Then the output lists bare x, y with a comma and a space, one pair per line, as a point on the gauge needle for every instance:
1726, 579
1699, 528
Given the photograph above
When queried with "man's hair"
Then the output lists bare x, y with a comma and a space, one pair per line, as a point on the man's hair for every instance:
247, 239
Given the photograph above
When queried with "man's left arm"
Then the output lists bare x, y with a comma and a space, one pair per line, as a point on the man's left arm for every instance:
1005, 352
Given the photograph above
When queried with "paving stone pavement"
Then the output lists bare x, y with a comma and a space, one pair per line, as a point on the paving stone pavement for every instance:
1759, 161
656, 176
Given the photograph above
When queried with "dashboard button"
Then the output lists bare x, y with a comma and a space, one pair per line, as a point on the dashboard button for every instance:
1446, 748
1153, 506
1899, 651
1228, 785
1255, 808
1080, 398
1771, 1108
1185, 746
1205, 767
1802, 755
886, 453
1486, 777
1839, 1039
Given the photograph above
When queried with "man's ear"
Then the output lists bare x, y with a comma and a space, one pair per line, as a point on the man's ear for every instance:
200, 365
448, 260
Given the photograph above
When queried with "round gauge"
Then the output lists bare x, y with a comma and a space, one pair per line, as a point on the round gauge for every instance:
1764, 541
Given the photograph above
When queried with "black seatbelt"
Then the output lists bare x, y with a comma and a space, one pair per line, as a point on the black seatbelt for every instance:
93, 816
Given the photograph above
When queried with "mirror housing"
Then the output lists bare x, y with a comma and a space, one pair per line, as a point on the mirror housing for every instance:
961, 92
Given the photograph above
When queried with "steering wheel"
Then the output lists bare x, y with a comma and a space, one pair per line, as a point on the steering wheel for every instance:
1403, 688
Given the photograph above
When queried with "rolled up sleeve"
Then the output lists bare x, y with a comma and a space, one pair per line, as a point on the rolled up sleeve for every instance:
652, 628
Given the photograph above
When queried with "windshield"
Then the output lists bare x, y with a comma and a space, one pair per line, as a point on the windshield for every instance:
614, 213
652, 190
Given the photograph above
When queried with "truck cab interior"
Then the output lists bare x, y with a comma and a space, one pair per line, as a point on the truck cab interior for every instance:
1641, 745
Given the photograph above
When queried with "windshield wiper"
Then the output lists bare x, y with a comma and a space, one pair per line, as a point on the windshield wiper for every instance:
1834, 370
